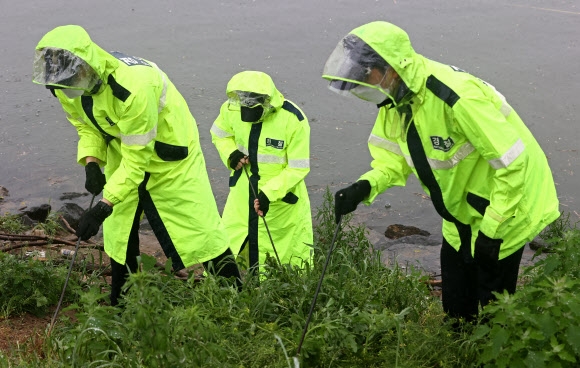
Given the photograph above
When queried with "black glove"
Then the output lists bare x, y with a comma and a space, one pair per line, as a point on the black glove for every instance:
346, 200
264, 203
95, 178
91, 221
235, 158
486, 249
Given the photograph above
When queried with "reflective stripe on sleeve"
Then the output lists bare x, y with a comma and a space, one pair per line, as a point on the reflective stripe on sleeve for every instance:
164, 92
299, 164
220, 133
385, 144
504, 161
139, 139
243, 149
505, 109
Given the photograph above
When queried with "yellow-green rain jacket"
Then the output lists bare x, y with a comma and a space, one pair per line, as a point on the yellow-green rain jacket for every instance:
141, 129
470, 150
278, 148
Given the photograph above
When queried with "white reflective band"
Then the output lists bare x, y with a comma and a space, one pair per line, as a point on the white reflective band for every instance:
385, 144
164, 92
139, 139
271, 159
244, 150
299, 164
391, 146
461, 153
514, 152
220, 133
505, 109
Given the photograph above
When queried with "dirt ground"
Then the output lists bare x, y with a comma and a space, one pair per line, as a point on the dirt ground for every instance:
29, 330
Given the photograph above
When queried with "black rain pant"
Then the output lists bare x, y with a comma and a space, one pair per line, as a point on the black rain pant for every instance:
466, 284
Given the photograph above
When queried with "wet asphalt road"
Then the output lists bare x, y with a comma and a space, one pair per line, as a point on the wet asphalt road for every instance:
529, 50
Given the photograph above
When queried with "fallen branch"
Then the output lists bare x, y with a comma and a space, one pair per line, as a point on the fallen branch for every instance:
25, 244
71, 230
47, 239
39, 241
67, 225
434, 282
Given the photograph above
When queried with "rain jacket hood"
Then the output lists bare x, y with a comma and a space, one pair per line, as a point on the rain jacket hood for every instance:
393, 45
76, 40
257, 82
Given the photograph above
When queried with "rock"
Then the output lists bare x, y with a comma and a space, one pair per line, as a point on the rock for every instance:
27, 221
397, 231
539, 244
72, 213
3, 193
144, 225
38, 213
71, 195
416, 240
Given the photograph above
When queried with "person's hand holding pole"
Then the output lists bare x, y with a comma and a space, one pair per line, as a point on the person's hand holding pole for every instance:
238, 159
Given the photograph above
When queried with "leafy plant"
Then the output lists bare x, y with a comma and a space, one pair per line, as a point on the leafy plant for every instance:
540, 324
51, 226
11, 224
29, 285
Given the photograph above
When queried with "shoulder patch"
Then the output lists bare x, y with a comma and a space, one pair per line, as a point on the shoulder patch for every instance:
442, 91
118, 90
288, 106
129, 60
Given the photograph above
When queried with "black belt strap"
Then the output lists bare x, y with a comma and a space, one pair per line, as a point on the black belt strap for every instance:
87, 103
427, 177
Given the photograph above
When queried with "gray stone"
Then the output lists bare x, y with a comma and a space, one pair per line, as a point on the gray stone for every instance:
72, 213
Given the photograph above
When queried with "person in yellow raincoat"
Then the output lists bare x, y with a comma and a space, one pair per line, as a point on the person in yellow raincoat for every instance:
132, 121
260, 132
486, 174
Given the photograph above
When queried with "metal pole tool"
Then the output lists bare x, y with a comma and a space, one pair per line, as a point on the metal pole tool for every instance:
265, 223
318, 287
74, 255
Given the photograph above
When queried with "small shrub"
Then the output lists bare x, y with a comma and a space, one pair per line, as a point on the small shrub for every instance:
30, 285
11, 224
540, 324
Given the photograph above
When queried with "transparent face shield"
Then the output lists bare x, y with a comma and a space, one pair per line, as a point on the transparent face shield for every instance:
253, 106
61, 69
355, 69
248, 99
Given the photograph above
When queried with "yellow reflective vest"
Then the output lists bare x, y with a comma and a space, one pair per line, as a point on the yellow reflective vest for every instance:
470, 150
278, 147
139, 126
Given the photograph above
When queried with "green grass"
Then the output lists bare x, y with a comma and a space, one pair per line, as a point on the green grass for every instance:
367, 315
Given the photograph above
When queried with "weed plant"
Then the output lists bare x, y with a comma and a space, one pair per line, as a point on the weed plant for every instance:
11, 224
539, 326
367, 315
29, 285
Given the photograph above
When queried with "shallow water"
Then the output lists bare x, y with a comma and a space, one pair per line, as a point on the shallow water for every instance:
530, 53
